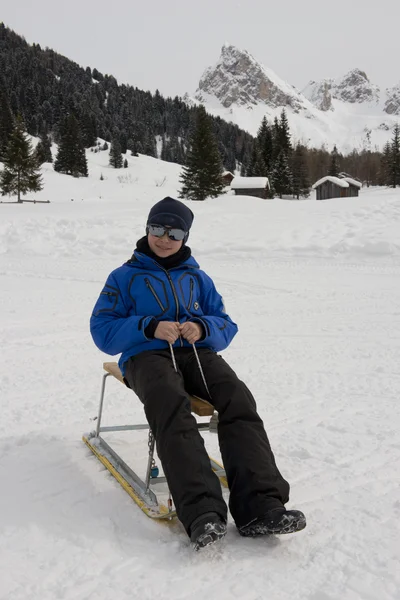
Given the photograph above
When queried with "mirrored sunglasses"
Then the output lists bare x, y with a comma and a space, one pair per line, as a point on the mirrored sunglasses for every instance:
174, 234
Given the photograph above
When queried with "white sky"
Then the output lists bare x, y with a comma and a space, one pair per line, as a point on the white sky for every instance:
168, 43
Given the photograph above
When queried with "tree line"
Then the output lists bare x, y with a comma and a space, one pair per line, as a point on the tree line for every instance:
64, 103
46, 88
273, 156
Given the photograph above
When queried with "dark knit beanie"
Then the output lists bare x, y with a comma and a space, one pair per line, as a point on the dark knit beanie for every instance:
171, 213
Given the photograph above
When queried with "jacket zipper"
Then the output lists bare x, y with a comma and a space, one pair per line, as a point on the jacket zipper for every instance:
176, 301
174, 293
153, 291
191, 294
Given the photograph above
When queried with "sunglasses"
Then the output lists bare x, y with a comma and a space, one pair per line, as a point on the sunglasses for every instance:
174, 234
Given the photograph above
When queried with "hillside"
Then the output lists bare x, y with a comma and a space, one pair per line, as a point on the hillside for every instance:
42, 86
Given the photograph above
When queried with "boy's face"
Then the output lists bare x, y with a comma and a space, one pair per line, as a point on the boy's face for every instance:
163, 246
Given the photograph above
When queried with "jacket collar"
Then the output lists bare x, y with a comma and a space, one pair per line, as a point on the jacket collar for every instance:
144, 261
145, 258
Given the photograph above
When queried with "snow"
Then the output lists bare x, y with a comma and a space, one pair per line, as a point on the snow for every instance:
353, 182
315, 289
336, 180
249, 183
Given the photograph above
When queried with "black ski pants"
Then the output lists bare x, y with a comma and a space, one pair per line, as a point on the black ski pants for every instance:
255, 482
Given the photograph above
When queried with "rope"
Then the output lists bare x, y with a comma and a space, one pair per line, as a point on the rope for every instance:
201, 371
198, 362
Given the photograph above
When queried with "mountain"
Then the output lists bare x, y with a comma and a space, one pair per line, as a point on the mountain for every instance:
238, 79
354, 88
43, 86
342, 112
392, 104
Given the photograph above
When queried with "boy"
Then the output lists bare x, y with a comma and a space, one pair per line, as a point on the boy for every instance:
152, 310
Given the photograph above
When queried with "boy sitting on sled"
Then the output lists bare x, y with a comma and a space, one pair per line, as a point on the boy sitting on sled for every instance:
152, 310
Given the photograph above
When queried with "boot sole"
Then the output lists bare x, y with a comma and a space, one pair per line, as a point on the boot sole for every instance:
286, 525
208, 538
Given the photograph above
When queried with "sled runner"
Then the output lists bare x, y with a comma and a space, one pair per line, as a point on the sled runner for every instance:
138, 489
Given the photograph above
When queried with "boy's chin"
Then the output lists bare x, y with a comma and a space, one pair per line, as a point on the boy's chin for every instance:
164, 253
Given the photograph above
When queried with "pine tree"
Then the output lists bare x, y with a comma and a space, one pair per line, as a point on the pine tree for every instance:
265, 142
384, 170
125, 163
6, 119
394, 159
88, 130
21, 172
301, 182
366, 162
116, 159
43, 150
280, 172
271, 188
334, 167
71, 158
276, 136
230, 161
132, 146
256, 166
282, 176
149, 145
201, 177
123, 140
283, 131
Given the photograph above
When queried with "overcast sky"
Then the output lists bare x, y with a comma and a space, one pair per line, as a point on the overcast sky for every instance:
167, 44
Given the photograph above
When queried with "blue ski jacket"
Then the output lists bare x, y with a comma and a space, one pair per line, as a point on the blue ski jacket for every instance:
141, 290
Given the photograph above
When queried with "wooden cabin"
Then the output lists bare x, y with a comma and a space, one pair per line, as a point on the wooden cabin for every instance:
227, 177
336, 187
354, 185
251, 186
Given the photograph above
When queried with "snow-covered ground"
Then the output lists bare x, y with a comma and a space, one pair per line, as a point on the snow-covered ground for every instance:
315, 289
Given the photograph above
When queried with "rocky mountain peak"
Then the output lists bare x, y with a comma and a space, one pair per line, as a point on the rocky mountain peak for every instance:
237, 78
355, 87
319, 93
392, 104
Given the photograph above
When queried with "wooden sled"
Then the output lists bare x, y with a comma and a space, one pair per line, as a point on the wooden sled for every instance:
138, 489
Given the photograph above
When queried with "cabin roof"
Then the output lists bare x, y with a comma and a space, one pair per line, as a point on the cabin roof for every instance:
247, 183
340, 182
352, 181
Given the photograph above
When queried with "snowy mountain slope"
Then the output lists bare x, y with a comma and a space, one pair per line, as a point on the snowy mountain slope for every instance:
315, 290
239, 89
353, 88
392, 103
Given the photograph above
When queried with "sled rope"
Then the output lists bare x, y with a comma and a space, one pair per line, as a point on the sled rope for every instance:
198, 362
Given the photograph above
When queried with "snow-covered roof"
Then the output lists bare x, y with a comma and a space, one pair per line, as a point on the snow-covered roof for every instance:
340, 182
353, 182
247, 183
227, 173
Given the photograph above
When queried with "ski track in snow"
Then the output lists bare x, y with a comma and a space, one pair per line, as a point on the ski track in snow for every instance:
317, 299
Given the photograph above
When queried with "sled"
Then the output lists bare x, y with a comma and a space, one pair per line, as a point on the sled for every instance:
142, 491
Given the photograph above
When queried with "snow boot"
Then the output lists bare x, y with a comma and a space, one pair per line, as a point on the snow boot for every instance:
275, 521
207, 529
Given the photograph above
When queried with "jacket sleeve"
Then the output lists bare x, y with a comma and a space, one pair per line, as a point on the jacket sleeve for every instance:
113, 330
219, 327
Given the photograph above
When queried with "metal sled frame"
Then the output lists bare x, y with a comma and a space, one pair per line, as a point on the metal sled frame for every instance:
140, 490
